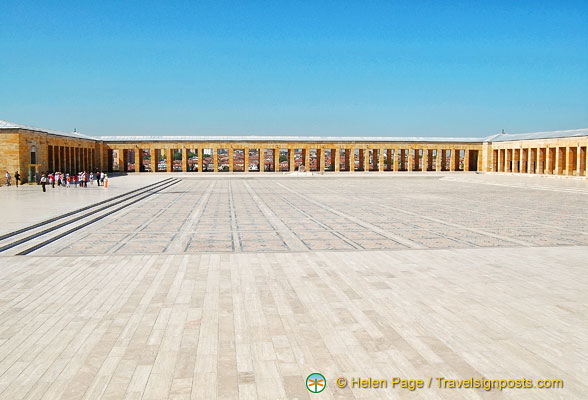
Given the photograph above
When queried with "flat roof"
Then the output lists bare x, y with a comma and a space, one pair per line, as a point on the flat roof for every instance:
285, 139
500, 137
77, 135
507, 137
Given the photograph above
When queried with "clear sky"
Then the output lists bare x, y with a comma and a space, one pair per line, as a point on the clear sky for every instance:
363, 68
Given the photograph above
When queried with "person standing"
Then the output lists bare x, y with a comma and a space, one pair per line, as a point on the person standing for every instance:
43, 181
16, 178
52, 180
7, 178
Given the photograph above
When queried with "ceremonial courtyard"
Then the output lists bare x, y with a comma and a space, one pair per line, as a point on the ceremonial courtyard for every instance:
202, 286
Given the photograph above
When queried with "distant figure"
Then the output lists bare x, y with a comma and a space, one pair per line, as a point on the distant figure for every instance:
43, 182
52, 180
7, 178
98, 178
16, 178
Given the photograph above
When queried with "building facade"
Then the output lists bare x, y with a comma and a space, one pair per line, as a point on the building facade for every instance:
32, 151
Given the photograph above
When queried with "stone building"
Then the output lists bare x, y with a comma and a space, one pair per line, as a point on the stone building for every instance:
33, 151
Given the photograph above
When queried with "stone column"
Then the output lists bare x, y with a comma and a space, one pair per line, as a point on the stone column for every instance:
261, 158
466, 160
530, 158
231, 159
500, 163
306, 158
200, 151
291, 165
350, 159
396, 160
558, 160
246, 159
169, 158
508, 160
381, 160
581, 163
361, 159
452, 162
336, 157
276, 160
366, 160
154, 155
389, 159
320, 153
138, 159
215, 159
184, 159
410, 159
570, 159
439, 160
548, 161
516, 160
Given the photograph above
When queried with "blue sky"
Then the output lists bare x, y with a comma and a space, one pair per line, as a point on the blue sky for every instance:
364, 68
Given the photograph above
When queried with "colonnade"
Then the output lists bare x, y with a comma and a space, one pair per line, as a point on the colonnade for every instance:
281, 157
549, 159
70, 159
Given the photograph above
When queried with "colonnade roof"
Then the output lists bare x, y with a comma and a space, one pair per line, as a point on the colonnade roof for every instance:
500, 137
507, 137
11, 125
273, 139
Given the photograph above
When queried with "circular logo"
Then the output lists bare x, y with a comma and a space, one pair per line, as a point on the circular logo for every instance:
316, 383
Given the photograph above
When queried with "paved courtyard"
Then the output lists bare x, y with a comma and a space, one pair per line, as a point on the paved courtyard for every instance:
240, 287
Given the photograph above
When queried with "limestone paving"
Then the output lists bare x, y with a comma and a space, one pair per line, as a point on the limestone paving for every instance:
240, 287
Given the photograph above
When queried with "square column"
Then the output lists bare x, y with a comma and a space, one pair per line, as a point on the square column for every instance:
184, 159
548, 161
581, 162
214, 160
397, 157
410, 159
261, 158
306, 158
276, 160
530, 158
570, 160
516, 159
336, 157
138, 160
381, 160
452, 162
320, 153
154, 159
200, 151
231, 159
466, 160
507, 162
291, 164
559, 152
350, 159
539, 160
169, 158
246, 159
440, 160
366, 160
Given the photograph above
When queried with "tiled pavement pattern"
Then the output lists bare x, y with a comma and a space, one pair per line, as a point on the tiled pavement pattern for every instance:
244, 304
289, 214
254, 325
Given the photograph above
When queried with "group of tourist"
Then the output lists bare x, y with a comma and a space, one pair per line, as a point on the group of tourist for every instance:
64, 179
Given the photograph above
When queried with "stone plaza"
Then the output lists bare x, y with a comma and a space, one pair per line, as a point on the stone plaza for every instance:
242, 285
